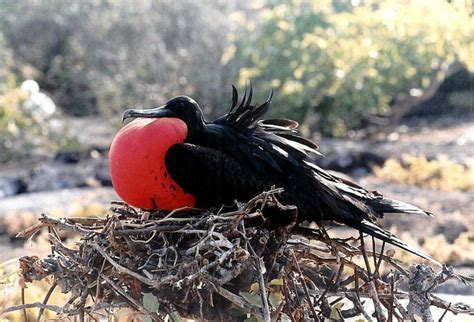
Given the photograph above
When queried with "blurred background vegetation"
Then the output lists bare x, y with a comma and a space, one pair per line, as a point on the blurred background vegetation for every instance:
333, 64
343, 62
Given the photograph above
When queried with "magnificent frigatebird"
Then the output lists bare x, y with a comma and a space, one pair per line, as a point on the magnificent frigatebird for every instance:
238, 155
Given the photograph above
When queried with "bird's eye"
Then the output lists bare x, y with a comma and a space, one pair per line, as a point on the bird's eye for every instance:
181, 106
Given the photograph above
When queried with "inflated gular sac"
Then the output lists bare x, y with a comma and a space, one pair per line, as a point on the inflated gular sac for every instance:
137, 164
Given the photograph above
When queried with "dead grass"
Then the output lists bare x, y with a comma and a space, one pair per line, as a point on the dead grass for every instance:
462, 250
440, 174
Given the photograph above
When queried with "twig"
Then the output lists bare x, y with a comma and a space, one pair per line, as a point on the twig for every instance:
287, 298
239, 301
305, 288
127, 297
377, 267
263, 291
261, 282
372, 289
45, 301
123, 269
36, 305
358, 305
329, 284
392, 292
444, 313
25, 315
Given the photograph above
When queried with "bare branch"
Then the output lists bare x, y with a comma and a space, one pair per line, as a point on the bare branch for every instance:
197, 264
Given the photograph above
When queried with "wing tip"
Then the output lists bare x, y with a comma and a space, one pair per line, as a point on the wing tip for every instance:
383, 205
372, 229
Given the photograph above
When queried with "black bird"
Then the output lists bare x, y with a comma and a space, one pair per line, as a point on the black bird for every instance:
238, 156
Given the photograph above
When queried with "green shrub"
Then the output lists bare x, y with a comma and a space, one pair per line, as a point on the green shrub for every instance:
26, 128
7, 78
340, 62
331, 63
109, 55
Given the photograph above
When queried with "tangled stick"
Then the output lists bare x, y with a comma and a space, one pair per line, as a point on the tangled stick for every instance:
250, 260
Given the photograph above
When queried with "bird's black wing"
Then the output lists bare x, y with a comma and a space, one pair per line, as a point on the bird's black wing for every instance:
246, 116
277, 143
275, 150
212, 176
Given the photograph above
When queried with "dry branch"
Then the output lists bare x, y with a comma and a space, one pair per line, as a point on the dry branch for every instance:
199, 264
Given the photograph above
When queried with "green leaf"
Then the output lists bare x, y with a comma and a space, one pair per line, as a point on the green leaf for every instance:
278, 281
275, 299
252, 299
335, 315
254, 288
150, 302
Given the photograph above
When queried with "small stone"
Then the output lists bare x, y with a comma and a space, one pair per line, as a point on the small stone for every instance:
11, 186
450, 230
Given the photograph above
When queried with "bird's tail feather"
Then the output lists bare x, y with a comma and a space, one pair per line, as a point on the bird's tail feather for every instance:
379, 233
386, 205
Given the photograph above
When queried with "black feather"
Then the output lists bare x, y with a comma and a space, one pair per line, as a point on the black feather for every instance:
235, 96
249, 99
244, 115
280, 123
379, 233
299, 139
244, 155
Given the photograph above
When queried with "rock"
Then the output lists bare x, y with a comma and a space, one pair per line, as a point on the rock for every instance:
102, 172
69, 169
451, 230
11, 186
69, 156
72, 169
454, 287
56, 175
77, 155
100, 149
355, 161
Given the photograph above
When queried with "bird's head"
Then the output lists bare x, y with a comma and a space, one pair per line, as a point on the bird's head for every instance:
181, 107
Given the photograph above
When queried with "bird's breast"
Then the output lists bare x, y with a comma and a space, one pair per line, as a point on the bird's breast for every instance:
137, 164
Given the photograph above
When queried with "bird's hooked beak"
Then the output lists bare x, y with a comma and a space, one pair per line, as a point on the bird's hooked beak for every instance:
156, 112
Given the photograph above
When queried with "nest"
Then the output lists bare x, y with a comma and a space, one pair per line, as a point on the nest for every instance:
251, 259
